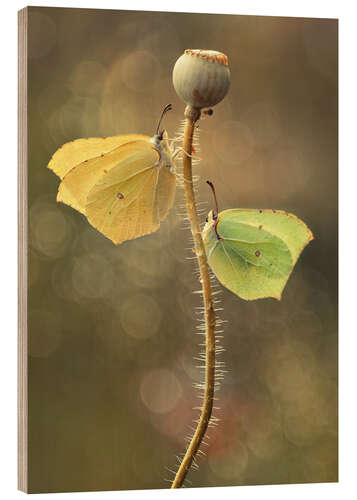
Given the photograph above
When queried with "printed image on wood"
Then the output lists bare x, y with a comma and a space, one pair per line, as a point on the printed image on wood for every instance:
178, 270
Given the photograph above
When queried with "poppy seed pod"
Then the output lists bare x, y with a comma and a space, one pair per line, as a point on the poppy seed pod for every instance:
201, 77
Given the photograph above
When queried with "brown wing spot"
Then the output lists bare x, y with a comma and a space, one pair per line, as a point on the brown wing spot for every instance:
105, 171
257, 253
120, 196
260, 227
110, 213
102, 155
274, 211
260, 211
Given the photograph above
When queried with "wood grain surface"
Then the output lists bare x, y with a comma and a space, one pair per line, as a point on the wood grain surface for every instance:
22, 250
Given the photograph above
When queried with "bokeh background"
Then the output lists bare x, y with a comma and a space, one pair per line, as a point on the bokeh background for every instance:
112, 341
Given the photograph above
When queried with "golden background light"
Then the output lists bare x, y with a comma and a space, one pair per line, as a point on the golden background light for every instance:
160, 390
140, 316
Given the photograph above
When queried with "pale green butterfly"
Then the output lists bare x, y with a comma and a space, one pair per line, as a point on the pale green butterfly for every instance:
253, 252
125, 185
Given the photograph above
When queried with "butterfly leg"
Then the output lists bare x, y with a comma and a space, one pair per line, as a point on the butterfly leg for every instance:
180, 150
176, 139
159, 159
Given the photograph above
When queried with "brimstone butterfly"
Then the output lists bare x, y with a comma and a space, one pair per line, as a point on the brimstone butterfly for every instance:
124, 185
253, 252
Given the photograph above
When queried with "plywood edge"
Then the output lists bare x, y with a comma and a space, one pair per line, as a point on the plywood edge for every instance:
22, 252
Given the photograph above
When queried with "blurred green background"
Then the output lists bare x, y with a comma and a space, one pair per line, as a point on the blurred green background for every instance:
112, 329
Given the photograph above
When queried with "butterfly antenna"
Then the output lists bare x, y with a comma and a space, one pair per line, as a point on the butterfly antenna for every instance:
167, 108
211, 185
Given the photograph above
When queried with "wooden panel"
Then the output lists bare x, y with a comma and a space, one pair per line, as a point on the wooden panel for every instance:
22, 251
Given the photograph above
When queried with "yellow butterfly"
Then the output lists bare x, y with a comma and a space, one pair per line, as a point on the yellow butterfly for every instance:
124, 185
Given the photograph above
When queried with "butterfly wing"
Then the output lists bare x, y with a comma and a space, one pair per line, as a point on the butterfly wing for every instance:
77, 183
75, 152
126, 203
289, 228
257, 250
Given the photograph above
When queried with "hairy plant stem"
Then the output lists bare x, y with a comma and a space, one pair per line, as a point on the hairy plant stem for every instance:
192, 115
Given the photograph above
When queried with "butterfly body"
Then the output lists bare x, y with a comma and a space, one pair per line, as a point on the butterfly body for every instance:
166, 153
252, 252
124, 185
